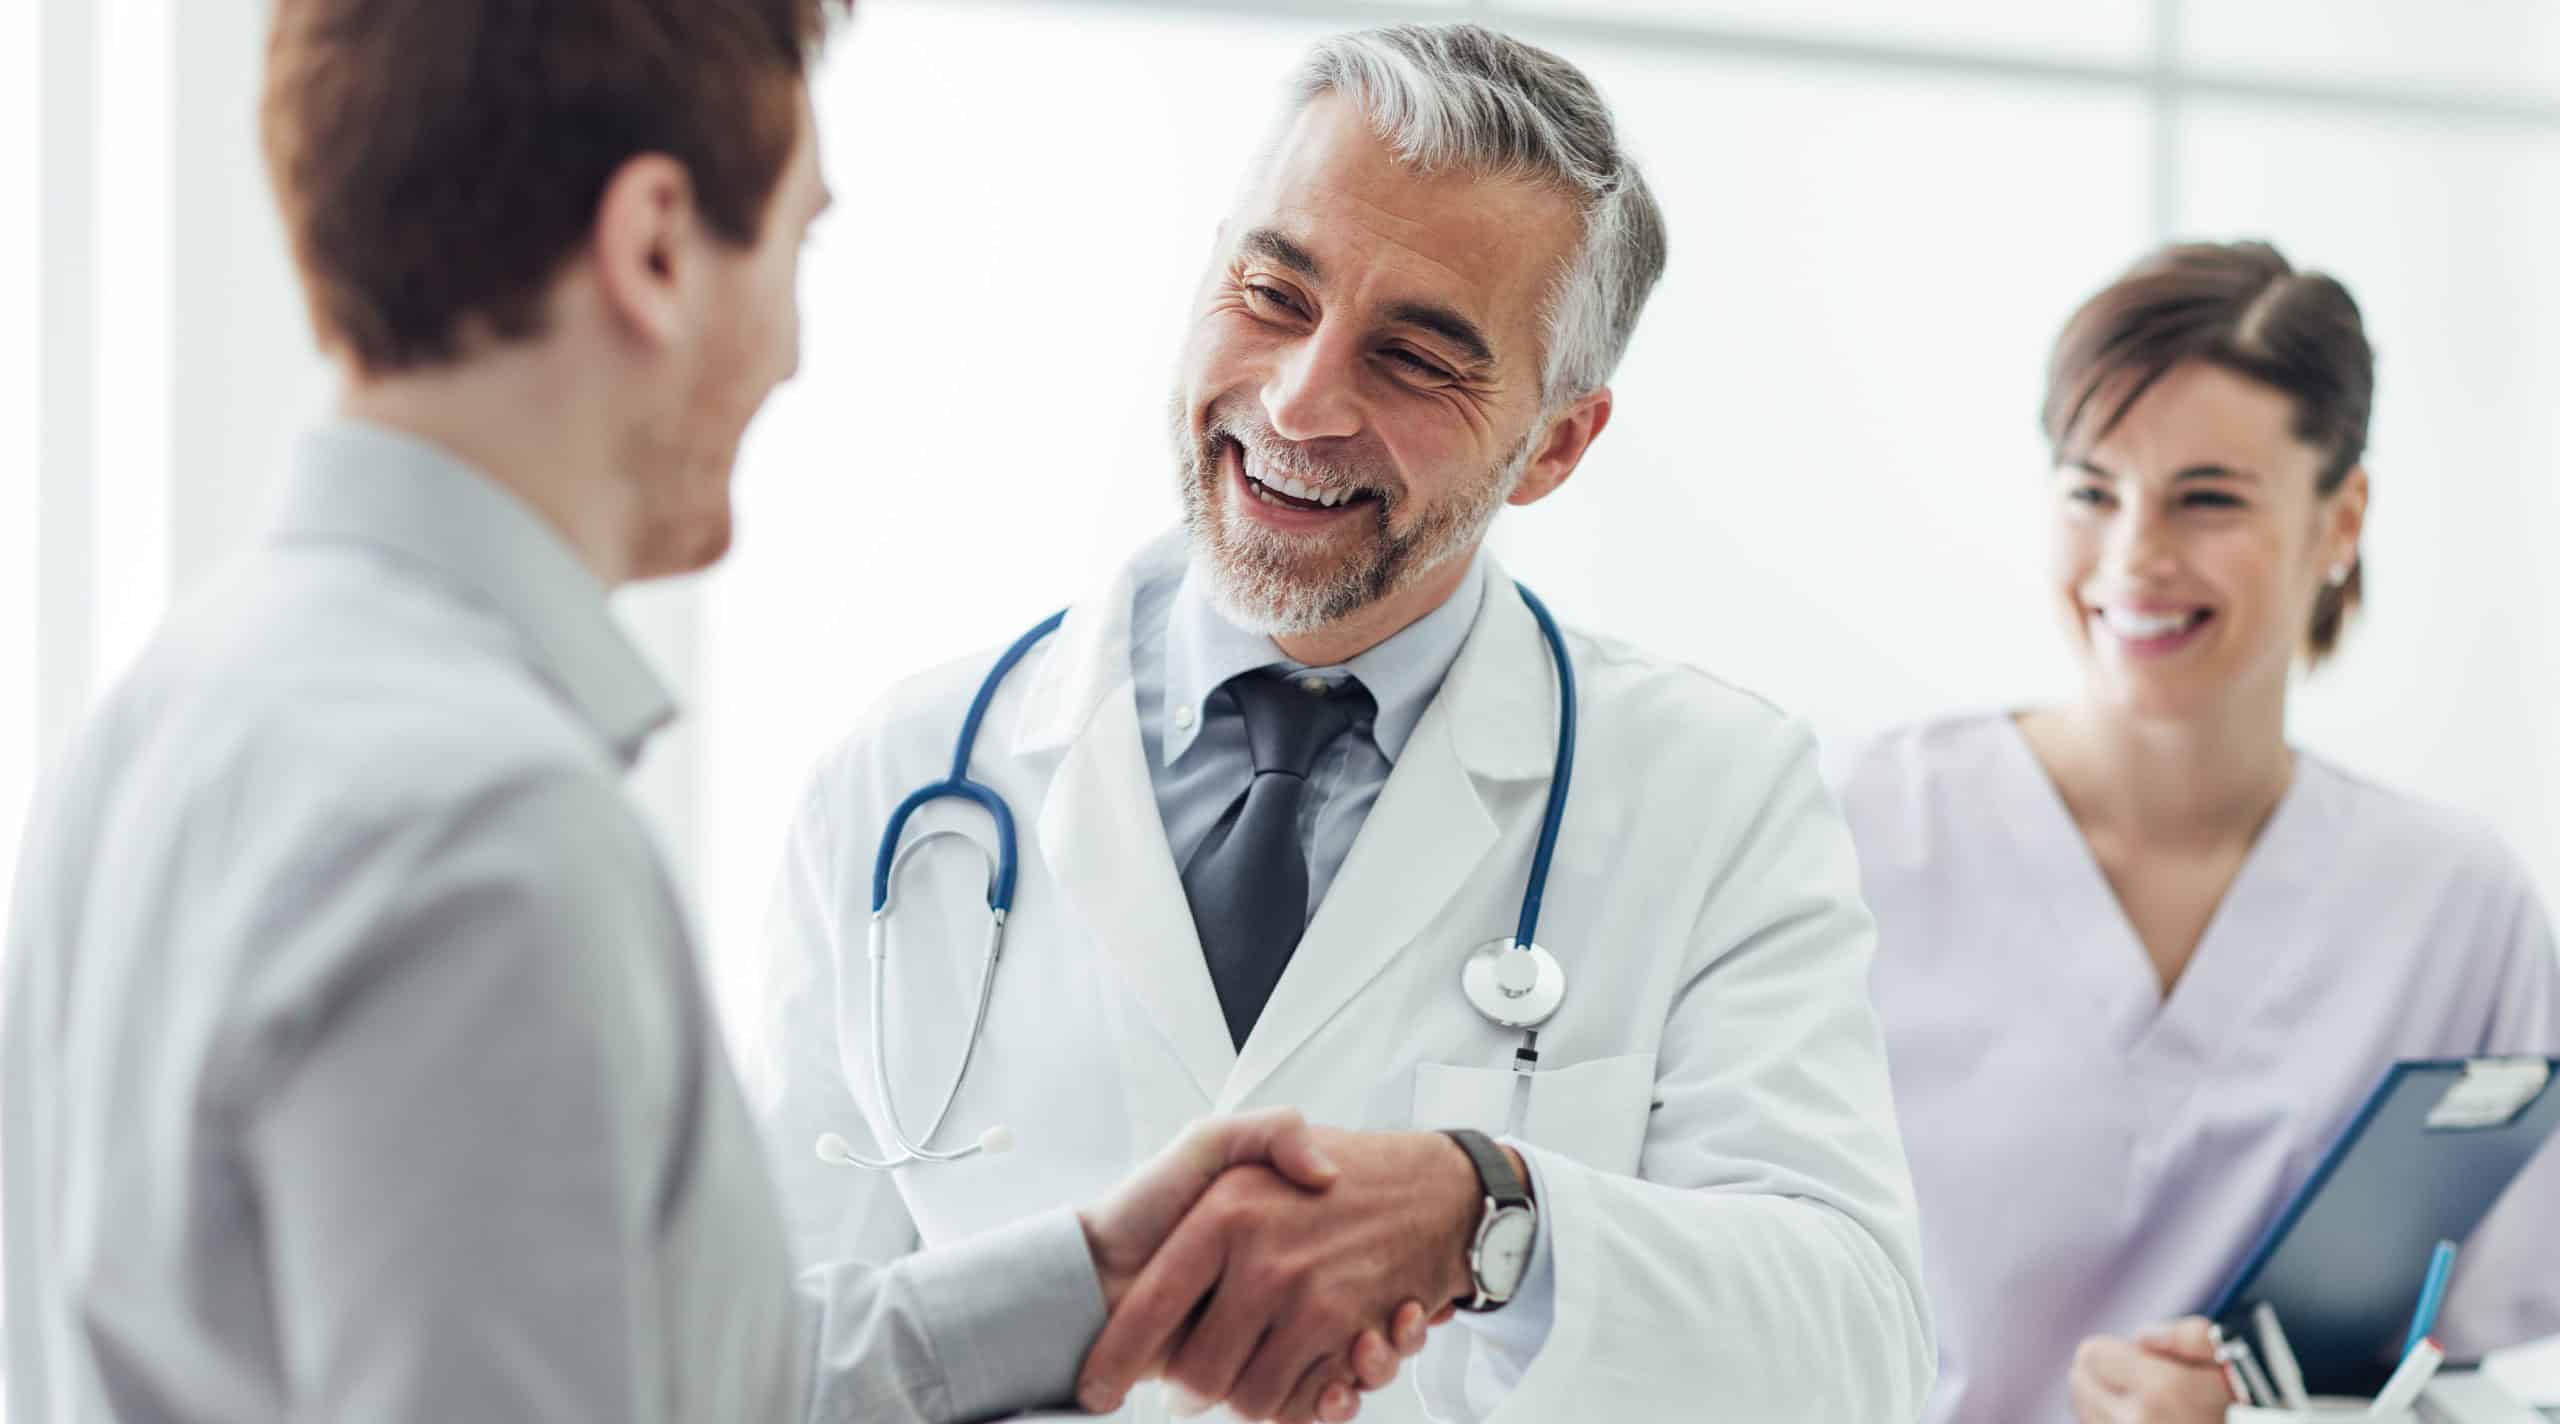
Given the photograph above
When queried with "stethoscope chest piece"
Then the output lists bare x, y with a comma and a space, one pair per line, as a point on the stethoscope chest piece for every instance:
1514, 987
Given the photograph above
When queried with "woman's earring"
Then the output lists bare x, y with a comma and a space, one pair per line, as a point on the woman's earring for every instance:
2338, 573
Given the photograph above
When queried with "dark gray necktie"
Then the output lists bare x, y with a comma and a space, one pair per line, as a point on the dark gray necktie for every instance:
1247, 882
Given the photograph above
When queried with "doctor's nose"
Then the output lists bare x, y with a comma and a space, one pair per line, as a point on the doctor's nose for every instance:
1313, 392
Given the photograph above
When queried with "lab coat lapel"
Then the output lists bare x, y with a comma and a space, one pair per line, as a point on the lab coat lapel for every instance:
1102, 835
1493, 720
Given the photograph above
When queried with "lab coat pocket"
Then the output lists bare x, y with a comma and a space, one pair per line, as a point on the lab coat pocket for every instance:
1595, 1113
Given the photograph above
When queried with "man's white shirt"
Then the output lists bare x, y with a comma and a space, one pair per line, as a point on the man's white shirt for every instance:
355, 1061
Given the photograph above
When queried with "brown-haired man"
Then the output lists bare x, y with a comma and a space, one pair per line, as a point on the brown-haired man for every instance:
355, 1063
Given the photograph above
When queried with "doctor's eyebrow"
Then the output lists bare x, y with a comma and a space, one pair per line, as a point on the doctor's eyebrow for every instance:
1447, 325
1263, 242
1440, 321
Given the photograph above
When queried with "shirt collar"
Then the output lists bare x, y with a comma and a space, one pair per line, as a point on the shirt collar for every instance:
1203, 650
356, 482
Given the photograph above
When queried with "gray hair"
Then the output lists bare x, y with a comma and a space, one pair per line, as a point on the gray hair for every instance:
1465, 97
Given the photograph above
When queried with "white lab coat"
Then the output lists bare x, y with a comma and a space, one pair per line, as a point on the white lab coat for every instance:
1729, 1213
2091, 1158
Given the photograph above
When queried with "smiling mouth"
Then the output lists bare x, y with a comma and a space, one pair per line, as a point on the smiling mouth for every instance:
2153, 627
1285, 491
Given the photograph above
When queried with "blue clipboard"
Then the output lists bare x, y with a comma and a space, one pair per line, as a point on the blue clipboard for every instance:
2344, 1262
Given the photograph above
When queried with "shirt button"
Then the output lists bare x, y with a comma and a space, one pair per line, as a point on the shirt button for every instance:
1183, 717
1316, 685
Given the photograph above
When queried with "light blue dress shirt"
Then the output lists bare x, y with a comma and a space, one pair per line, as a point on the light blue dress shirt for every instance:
1183, 651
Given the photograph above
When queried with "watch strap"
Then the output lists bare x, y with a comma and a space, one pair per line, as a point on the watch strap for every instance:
1493, 1167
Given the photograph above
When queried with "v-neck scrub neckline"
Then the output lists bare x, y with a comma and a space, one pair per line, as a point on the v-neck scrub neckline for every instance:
2229, 973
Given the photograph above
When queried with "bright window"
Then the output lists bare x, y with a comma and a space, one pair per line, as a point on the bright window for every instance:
2106, 31
1821, 476
136, 311
19, 427
2507, 47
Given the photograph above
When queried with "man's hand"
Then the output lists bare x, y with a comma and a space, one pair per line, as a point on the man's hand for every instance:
1289, 1274
1127, 1229
2166, 1376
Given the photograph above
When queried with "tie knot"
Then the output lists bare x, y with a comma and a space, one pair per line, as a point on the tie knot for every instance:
1288, 725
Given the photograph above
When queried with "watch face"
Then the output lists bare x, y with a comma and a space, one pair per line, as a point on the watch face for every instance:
1502, 1251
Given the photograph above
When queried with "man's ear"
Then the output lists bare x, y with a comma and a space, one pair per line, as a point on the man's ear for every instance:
643, 245
1567, 439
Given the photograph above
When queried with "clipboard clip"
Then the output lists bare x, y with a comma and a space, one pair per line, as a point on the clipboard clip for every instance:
2490, 1092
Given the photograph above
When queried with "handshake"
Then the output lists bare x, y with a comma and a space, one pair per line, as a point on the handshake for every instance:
1277, 1268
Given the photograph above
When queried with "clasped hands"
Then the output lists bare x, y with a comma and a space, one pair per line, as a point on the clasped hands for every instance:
1277, 1268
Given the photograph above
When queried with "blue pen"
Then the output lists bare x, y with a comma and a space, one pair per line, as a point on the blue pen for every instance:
2430, 1297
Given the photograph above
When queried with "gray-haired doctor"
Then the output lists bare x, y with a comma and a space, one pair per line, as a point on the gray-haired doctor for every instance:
1277, 795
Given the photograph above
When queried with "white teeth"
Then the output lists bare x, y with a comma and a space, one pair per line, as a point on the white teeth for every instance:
1267, 480
2145, 626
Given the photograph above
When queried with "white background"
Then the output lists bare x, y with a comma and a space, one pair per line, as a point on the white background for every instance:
1822, 481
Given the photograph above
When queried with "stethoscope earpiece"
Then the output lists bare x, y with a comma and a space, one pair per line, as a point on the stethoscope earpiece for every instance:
836, 1152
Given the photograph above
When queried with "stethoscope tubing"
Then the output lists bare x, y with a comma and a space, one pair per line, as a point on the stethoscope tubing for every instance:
1004, 863
1533, 899
958, 786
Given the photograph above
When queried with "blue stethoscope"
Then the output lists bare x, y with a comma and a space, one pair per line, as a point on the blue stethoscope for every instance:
1514, 982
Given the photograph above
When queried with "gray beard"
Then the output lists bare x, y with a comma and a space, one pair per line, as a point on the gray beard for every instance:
1257, 580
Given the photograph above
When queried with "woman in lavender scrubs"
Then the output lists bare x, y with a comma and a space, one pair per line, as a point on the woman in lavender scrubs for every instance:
2139, 956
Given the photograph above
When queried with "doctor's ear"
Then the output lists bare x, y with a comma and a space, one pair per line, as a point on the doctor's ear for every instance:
642, 250
1567, 439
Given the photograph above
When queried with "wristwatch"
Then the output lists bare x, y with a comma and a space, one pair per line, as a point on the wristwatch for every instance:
1499, 1256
